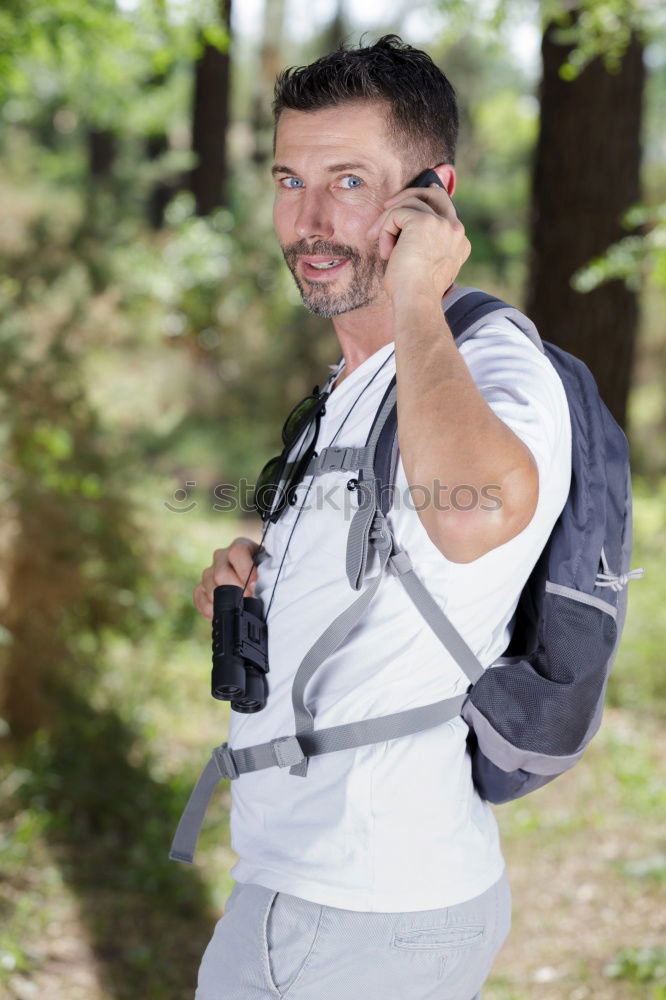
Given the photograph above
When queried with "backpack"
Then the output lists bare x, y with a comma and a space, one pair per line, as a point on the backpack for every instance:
531, 712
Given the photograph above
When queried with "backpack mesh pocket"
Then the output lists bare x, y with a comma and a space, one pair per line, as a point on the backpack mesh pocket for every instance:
546, 703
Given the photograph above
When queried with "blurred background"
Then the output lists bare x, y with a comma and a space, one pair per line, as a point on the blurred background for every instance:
151, 343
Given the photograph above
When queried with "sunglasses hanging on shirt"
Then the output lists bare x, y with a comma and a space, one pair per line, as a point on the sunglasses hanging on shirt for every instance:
279, 479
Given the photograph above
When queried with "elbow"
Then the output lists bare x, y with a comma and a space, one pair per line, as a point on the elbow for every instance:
463, 539
498, 515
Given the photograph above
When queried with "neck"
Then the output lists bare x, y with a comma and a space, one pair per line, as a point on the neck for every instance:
362, 332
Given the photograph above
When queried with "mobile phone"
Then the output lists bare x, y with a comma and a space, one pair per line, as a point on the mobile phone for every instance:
425, 179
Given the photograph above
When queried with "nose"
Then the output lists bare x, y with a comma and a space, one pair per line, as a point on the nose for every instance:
313, 221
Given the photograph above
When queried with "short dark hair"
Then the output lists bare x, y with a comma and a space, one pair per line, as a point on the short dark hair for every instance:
422, 112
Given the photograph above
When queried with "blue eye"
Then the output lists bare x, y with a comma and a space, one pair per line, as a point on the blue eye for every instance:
285, 182
354, 182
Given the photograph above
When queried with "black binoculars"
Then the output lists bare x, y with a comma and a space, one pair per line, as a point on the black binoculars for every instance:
240, 649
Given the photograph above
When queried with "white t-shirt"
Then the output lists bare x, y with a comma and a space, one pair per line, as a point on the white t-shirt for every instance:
398, 825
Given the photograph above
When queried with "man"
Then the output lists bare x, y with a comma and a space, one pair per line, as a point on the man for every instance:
380, 874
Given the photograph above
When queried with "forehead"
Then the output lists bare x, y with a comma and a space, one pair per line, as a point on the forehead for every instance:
353, 129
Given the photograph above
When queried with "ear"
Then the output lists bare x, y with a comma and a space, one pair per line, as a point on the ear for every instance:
447, 175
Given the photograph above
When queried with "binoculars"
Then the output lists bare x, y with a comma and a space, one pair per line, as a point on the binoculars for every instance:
240, 649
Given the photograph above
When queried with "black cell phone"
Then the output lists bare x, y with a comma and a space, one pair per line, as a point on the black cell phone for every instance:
425, 179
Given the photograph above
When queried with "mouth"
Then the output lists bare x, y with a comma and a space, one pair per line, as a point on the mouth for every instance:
315, 268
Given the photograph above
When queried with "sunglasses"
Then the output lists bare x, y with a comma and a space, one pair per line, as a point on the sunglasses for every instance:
279, 479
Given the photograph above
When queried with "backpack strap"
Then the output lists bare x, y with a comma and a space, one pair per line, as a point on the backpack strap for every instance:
294, 751
333, 459
332, 636
369, 491
466, 309
289, 750
401, 566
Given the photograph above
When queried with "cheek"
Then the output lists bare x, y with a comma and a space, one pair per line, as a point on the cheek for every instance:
286, 212
355, 220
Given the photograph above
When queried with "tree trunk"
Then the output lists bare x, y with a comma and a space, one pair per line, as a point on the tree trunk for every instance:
270, 59
586, 174
210, 118
101, 152
156, 145
39, 583
163, 191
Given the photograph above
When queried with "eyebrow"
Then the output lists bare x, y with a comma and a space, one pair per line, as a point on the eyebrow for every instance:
335, 168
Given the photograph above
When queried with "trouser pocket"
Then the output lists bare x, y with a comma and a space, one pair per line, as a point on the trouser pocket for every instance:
292, 928
457, 944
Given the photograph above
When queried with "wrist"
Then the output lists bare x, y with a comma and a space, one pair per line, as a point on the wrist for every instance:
421, 297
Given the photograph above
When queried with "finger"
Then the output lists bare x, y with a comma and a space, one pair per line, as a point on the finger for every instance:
386, 243
241, 555
204, 594
433, 194
414, 204
202, 602
436, 197
219, 575
394, 223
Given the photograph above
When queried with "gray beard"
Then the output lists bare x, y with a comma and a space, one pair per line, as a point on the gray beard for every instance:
363, 287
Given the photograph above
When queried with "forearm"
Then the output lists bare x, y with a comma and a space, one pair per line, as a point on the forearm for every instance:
450, 437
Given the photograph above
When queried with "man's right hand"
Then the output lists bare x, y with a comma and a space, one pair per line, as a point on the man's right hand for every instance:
230, 565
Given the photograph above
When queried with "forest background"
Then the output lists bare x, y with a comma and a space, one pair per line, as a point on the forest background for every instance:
151, 342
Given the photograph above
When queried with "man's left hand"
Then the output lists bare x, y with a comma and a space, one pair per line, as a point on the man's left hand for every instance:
432, 246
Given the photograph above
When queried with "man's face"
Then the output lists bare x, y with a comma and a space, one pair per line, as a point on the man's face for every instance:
333, 171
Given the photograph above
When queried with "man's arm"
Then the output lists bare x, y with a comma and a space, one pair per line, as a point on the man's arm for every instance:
448, 434
450, 437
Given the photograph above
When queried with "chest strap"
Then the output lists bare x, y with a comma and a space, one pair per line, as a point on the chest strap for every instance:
336, 459
286, 750
293, 751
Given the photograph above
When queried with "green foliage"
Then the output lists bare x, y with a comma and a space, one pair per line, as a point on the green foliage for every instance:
85, 789
599, 28
633, 258
136, 83
75, 563
591, 28
215, 35
59, 36
639, 965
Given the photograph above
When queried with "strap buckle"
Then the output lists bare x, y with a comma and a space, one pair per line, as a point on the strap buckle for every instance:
224, 761
333, 459
379, 531
287, 751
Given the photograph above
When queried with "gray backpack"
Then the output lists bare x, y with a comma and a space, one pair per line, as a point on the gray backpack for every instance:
532, 712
